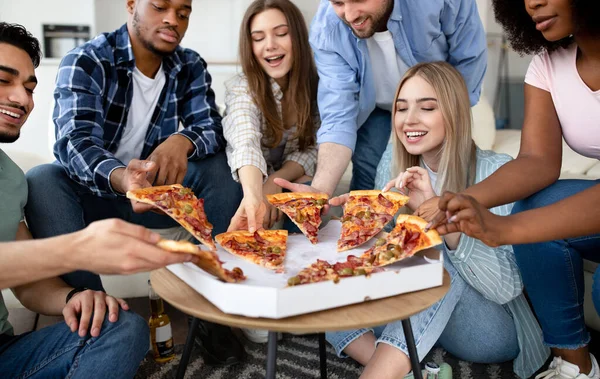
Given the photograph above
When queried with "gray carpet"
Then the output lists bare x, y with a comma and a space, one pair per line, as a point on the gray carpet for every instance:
297, 358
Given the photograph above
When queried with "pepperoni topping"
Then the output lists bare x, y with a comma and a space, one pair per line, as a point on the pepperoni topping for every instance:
259, 239
385, 202
310, 228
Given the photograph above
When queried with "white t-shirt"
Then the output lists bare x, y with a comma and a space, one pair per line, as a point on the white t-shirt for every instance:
388, 68
146, 92
577, 106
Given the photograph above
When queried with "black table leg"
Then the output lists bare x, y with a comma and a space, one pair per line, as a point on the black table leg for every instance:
187, 350
323, 355
412, 349
271, 355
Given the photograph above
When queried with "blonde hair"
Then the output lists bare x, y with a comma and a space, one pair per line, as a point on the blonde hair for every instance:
456, 170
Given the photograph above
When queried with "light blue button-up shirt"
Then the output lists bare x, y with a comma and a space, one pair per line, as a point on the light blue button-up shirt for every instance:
423, 31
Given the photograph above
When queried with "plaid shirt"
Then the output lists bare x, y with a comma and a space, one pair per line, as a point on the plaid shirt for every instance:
244, 125
93, 94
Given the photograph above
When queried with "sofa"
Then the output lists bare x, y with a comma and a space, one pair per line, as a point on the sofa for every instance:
484, 134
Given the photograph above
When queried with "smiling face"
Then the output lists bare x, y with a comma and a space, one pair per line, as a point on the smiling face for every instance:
159, 25
418, 121
554, 18
17, 82
364, 17
272, 44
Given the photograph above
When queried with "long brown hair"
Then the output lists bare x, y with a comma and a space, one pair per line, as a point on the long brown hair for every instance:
456, 170
302, 88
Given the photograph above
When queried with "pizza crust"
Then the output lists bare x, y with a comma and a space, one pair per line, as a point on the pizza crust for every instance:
287, 196
139, 193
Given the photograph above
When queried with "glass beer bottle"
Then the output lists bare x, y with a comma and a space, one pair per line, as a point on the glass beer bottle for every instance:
161, 336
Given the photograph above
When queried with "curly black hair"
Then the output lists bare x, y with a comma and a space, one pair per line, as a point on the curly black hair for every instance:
18, 36
521, 31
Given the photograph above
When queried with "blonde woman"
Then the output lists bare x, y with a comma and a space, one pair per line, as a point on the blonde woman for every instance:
484, 317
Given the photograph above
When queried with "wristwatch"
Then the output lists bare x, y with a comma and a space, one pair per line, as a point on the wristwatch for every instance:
74, 291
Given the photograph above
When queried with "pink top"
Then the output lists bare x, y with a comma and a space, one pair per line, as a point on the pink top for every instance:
577, 106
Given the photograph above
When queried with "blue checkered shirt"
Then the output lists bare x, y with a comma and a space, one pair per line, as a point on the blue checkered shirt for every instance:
93, 94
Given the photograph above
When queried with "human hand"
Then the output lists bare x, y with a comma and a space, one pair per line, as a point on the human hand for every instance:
83, 305
416, 180
251, 211
296, 187
133, 177
428, 210
272, 214
171, 158
114, 246
466, 215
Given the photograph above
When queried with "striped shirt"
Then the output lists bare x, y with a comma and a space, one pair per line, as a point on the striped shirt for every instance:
93, 95
244, 127
494, 272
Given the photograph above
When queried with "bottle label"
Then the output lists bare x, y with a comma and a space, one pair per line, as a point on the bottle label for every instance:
164, 341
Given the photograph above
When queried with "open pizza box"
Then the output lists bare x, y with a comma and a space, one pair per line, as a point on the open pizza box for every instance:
265, 293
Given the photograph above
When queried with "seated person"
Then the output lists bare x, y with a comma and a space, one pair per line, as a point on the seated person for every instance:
484, 317
271, 116
106, 342
555, 223
123, 96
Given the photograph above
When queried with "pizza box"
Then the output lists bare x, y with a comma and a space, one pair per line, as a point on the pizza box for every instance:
265, 293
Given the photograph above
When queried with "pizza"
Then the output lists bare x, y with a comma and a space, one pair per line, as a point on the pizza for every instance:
407, 238
207, 260
182, 205
265, 247
366, 213
304, 209
321, 271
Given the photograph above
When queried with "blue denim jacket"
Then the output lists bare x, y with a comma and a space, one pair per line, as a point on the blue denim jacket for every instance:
423, 31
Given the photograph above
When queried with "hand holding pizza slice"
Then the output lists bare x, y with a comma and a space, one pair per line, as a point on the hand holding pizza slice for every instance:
303, 208
366, 213
180, 204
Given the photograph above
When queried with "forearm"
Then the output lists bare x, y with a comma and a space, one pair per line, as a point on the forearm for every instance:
514, 181
332, 162
289, 171
251, 179
574, 216
45, 296
30, 261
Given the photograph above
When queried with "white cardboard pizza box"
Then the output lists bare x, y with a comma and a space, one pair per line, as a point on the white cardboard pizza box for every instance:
265, 292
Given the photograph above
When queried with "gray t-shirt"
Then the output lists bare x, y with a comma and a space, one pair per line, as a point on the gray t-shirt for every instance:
13, 197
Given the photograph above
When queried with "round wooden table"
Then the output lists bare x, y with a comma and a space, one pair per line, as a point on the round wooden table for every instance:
361, 315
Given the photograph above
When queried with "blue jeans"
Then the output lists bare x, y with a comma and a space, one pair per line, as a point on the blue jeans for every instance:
55, 352
371, 141
58, 205
463, 322
553, 272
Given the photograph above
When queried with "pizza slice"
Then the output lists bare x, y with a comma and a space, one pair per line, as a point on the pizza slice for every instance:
366, 213
182, 205
407, 238
304, 209
207, 260
265, 247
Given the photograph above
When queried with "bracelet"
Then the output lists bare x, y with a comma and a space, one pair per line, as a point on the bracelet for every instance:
75, 291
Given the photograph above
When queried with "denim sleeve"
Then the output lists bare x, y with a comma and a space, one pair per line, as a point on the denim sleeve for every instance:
466, 42
79, 120
337, 98
199, 116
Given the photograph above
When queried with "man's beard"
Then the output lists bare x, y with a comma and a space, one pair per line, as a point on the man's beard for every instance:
147, 44
379, 22
9, 138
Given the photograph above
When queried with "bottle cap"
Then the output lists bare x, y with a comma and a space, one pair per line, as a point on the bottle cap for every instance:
432, 367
